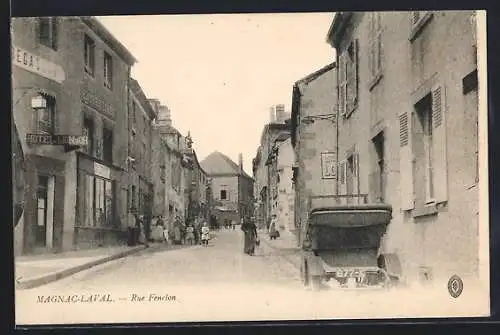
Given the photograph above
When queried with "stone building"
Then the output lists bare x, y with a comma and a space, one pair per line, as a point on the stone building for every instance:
261, 170
175, 164
140, 183
408, 131
281, 163
231, 188
70, 77
314, 138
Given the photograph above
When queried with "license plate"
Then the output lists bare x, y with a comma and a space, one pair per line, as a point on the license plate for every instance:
348, 273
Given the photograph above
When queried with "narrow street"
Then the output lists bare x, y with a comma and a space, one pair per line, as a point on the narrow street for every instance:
214, 283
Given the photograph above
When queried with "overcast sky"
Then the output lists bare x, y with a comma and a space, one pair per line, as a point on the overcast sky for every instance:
219, 74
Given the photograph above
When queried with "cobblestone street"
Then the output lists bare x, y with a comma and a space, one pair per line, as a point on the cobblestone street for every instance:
214, 283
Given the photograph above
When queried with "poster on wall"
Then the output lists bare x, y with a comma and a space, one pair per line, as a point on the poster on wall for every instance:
328, 165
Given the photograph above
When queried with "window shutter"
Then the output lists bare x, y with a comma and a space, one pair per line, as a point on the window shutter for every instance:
354, 73
55, 27
415, 17
439, 154
342, 88
405, 162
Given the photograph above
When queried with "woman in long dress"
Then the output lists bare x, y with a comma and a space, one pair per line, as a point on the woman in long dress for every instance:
250, 230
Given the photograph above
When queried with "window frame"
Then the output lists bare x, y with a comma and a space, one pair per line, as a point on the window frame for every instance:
89, 55
418, 24
225, 194
375, 61
51, 41
108, 70
108, 135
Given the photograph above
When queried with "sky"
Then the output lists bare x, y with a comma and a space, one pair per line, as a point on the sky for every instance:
220, 74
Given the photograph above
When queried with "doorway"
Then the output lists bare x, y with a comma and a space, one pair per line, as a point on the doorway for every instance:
44, 227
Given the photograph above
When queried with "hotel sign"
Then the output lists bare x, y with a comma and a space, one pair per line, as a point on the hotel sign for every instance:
44, 139
328, 165
36, 64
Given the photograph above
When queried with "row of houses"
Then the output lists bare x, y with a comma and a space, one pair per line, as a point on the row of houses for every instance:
394, 116
95, 146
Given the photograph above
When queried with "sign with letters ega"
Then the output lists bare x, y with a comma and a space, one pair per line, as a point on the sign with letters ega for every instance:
36, 64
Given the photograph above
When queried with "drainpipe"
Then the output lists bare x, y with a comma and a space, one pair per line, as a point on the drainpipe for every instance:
337, 119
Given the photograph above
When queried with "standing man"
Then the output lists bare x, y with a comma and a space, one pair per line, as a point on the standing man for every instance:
131, 224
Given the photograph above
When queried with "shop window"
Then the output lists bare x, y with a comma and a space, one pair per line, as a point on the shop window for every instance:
98, 201
89, 55
48, 27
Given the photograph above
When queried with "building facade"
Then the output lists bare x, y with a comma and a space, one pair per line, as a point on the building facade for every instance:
141, 115
314, 139
407, 95
262, 169
70, 77
231, 189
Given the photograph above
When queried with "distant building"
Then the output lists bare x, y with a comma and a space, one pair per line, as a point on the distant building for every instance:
141, 118
231, 188
262, 172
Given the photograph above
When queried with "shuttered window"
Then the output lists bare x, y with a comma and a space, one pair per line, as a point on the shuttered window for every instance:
48, 31
375, 45
439, 154
405, 162
348, 79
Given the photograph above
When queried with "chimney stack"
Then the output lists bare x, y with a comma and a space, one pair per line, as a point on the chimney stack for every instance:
272, 115
280, 113
240, 161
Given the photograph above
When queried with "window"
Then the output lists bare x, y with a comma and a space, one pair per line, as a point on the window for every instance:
48, 31
375, 47
223, 195
378, 175
88, 130
133, 197
45, 117
348, 79
89, 55
424, 135
108, 70
418, 20
134, 111
107, 145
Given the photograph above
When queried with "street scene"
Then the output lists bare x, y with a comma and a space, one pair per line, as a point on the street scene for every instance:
169, 169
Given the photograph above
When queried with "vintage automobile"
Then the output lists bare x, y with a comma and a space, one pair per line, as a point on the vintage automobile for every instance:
342, 242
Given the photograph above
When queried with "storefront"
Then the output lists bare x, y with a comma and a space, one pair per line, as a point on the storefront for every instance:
97, 221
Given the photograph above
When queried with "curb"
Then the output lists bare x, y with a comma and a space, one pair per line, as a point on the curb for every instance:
293, 263
60, 274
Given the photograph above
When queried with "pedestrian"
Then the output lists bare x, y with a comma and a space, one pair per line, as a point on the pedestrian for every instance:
131, 224
147, 229
190, 235
177, 231
166, 233
205, 234
273, 232
196, 229
233, 224
251, 238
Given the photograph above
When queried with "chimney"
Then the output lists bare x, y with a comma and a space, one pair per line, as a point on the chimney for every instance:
164, 117
272, 115
240, 162
280, 113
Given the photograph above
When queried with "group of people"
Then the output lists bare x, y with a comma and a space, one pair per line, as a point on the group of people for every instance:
176, 232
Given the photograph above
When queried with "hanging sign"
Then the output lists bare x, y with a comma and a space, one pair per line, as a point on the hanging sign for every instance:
328, 165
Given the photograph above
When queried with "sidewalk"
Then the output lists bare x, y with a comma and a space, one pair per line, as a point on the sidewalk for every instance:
285, 245
38, 270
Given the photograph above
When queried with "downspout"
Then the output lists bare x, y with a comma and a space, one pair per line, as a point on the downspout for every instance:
337, 119
127, 163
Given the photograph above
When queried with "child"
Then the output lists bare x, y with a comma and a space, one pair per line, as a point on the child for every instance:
205, 232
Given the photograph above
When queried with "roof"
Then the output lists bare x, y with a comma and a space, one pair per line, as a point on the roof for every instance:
217, 163
296, 94
273, 127
110, 40
337, 28
136, 89
282, 137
